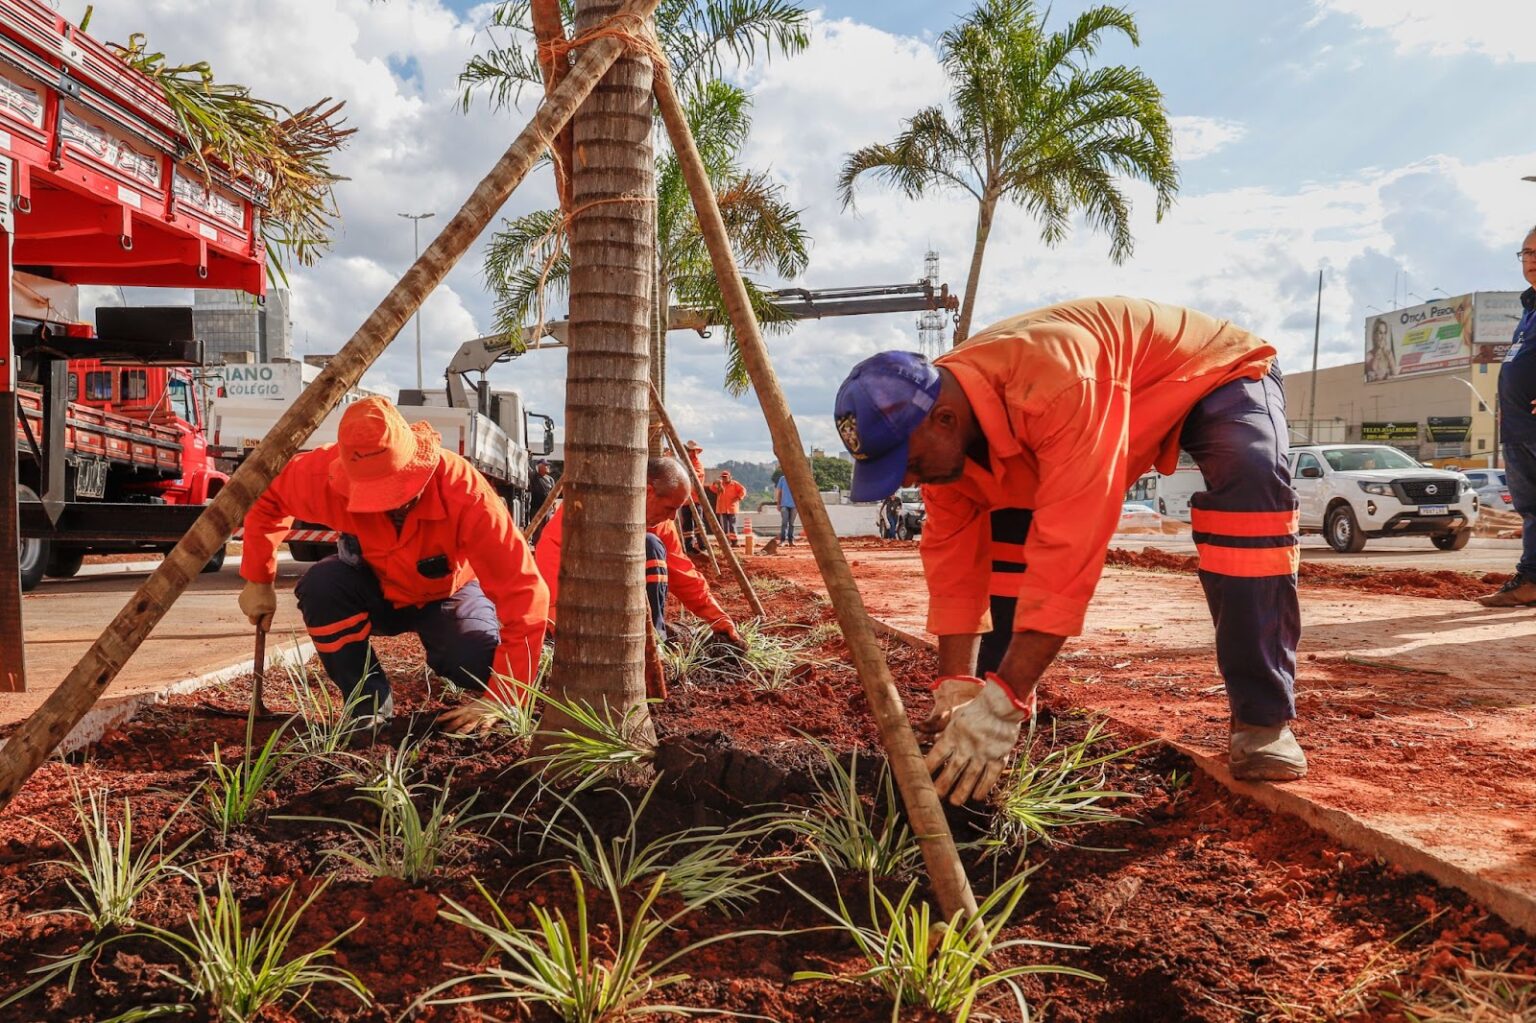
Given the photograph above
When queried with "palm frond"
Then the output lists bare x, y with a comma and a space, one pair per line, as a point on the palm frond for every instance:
698, 37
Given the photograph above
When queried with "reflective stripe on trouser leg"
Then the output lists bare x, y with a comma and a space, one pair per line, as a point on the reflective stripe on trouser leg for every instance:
1010, 528
656, 582
1245, 531
339, 603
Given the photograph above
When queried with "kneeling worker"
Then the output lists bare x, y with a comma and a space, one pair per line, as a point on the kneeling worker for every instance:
423, 532
1027, 437
667, 567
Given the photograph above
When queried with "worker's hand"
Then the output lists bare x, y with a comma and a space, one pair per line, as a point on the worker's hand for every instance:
725, 633
949, 692
477, 715
258, 602
968, 758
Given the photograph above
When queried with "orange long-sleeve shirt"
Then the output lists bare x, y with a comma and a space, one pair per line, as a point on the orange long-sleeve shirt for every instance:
459, 516
683, 578
728, 497
1076, 401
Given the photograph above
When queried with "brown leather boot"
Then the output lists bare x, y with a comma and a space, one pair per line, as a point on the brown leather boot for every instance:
1518, 592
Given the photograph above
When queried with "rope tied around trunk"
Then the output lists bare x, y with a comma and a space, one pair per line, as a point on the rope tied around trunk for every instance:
558, 239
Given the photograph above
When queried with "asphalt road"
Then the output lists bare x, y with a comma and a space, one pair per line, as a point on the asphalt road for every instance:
1477, 557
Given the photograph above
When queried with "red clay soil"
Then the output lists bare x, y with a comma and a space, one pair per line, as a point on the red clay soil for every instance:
1197, 906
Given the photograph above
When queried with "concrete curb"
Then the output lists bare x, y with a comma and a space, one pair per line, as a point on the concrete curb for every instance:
1515, 907
110, 713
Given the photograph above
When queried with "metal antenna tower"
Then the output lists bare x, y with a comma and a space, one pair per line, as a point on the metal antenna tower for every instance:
930, 325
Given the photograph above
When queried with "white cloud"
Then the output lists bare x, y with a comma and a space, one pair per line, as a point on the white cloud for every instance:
1195, 138
1501, 29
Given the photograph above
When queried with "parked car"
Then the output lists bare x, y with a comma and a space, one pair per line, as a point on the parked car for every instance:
1491, 487
909, 524
1136, 517
1351, 492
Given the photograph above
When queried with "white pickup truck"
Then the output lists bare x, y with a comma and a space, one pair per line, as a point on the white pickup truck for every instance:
1352, 492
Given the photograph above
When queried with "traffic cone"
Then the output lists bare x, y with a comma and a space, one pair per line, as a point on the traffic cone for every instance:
749, 541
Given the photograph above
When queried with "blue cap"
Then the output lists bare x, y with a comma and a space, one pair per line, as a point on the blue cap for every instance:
884, 399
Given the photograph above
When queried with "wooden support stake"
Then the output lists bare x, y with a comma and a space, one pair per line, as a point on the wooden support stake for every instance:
37, 737
945, 870
547, 508
709, 511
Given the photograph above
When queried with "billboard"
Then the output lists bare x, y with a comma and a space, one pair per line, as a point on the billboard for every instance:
1390, 433
1434, 337
1449, 429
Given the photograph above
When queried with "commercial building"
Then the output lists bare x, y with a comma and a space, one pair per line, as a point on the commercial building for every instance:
232, 323
1428, 384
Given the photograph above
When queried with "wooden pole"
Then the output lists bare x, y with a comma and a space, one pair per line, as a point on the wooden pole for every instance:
547, 508
37, 737
714, 523
945, 870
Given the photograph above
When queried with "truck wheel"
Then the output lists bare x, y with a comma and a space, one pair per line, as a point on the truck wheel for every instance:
903, 529
1452, 541
1343, 532
33, 552
308, 551
64, 562
217, 561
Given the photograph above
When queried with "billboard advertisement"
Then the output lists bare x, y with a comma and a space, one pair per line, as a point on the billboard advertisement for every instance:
1390, 433
1434, 337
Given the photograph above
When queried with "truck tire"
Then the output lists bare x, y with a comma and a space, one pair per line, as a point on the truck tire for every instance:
1452, 541
310, 552
64, 562
33, 552
1343, 531
217, 561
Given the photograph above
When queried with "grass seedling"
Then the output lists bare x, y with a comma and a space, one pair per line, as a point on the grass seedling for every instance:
847, 834
562, 964
239, 973
235, 792
595, 749
107, 875
768, 664
1065, 788
702, 865
324, 726
942, 967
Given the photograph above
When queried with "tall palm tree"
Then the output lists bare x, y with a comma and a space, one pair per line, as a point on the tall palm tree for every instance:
600, 645
1031, 122
526, 265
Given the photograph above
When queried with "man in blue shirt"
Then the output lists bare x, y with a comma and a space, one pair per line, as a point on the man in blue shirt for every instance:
1517, 424
786, 511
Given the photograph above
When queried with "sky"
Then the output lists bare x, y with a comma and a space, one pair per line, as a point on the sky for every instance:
1381, 142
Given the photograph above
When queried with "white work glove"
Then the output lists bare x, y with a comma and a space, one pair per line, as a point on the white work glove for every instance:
949, 692
968, 758
258, 602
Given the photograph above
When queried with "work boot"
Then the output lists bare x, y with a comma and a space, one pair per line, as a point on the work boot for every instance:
371, 718
1518, 592
1266, 753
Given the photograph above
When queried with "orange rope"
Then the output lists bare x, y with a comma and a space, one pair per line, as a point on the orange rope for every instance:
638, 38
559, 234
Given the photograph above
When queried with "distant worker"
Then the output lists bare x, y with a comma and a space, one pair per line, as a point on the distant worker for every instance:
786, 501
728, 495
667, 567
541, 484
427, 547
1517, 419
692, 518
1026, 438
890, 516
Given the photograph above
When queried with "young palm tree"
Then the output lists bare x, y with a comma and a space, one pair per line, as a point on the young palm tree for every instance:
1033, 123
600, 646
526, 265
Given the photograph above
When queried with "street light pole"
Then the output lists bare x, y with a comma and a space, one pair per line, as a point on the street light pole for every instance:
416, 219
1482, 406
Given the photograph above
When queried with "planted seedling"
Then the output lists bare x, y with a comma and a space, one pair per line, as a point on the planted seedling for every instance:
235, 793
849, 834
918, 961
1068, 787
597, 748
563, 964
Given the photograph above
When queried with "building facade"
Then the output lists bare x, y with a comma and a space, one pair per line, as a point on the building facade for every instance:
234, 327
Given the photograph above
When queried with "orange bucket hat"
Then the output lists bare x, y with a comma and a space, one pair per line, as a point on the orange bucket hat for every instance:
383, 461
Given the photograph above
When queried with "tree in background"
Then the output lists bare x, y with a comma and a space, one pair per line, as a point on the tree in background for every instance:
1031, 122
831, 473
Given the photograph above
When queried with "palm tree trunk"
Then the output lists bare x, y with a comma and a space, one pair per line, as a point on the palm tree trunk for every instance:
600, 644
973, 279
659, 290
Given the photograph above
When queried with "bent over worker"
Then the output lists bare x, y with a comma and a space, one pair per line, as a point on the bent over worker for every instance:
427, 547
1026, 438
667, 567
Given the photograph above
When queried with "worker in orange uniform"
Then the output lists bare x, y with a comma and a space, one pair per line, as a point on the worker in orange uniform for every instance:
1026, 438
690, 515
728, 494
427, 547
667, 566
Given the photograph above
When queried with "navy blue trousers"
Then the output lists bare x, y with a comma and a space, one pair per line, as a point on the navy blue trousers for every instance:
1245, 530
343, 605
656, 582
1520, 471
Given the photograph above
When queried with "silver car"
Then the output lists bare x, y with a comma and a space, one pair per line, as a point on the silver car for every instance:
1492, 488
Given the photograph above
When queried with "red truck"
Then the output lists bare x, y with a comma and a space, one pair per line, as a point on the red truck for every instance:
132, 434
